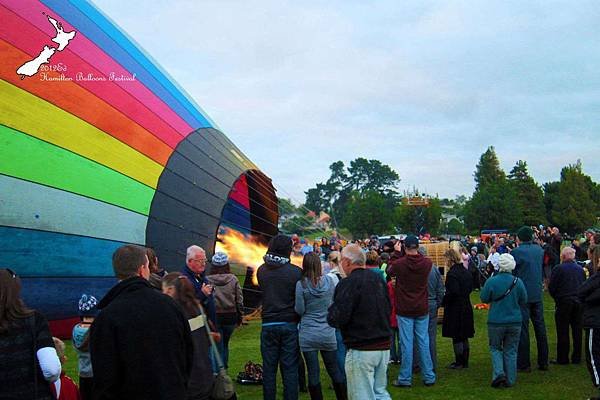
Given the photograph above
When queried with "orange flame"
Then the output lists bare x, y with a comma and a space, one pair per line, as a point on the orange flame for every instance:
245, 250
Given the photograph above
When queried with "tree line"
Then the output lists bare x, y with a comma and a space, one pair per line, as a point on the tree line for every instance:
364, 198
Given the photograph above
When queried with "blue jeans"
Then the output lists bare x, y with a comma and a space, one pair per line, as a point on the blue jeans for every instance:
535, 311
223, 346
432, 330
312, 364
341, 353
395, 354
504, 341
415, 328
366, 372
279, 347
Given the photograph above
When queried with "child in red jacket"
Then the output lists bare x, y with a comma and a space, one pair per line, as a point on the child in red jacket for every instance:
395, 354
64, 388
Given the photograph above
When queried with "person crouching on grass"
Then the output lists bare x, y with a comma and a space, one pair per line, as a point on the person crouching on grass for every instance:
506, 294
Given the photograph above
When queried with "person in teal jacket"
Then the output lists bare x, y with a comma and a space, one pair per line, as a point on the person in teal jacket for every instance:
506, 294
529, 257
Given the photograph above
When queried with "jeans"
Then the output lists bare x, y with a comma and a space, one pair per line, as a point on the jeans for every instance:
279, 346
341, 353
330, 361
366, 372
395, 354
432, 330
223, 346
415, 328
535, 311
504, 341
568, 314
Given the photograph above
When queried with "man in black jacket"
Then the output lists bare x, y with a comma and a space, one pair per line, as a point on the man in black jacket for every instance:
565, 280
279, 336
140, 343
361, 310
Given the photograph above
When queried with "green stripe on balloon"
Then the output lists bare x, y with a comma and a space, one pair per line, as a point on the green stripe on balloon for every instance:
28, 158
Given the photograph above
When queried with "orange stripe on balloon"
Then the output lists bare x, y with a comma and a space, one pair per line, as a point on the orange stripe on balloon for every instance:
81, 103
24, 36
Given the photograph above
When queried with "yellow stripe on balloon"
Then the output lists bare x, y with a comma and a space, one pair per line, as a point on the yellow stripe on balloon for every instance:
28, 113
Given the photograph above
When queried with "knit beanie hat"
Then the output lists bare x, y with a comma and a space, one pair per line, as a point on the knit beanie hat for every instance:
506, 263
87, 306
280, 245
220, 259
525, 234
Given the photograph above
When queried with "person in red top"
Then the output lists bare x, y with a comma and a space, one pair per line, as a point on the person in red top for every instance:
64, 388
412, 309
395, 354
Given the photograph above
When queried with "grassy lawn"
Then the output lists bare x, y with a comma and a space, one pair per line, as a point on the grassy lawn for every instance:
561, 382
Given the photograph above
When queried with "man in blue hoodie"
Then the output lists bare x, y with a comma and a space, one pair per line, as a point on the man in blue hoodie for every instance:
529, 258
279, 336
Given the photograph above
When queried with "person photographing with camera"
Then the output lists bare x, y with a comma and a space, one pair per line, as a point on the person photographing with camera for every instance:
195, 271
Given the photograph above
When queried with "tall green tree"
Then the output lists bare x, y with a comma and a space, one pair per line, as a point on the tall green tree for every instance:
529, 195
366, 214
488, 169
495, 205
550, 197
574, 208
286, 207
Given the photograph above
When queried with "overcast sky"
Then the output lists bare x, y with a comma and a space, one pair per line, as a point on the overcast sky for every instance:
424, 86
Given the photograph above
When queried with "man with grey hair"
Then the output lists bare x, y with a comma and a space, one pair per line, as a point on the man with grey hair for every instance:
195, 271
565, 280
361, 311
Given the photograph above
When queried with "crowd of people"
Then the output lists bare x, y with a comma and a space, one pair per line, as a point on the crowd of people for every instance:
357, 306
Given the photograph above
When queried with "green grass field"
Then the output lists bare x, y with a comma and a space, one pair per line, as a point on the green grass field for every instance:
561, 382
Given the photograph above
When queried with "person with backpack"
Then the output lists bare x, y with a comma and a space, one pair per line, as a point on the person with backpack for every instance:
506, 295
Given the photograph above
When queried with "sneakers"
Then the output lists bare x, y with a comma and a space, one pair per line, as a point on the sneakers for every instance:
500, 382
400, 385
455, 365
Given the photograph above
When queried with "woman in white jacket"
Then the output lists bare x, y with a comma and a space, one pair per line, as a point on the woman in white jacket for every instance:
27, 354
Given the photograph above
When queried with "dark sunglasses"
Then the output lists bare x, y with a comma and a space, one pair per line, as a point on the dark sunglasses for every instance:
12, 273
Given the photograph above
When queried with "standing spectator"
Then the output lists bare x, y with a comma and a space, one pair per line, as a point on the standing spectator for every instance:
140, 342
279, 337
506, 294
589, 295
337, 273
88, 311
325, 247
412, 308
474, 267
314, 294
180, 289
564, 283
458, 321
195, 271
156, 272
395, 353
373, 264
435, 297
28, 358
529, 258
556, 240
361, 310
63, 388
493, 260
229, 301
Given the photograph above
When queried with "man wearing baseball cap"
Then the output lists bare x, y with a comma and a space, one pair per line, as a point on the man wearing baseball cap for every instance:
412, 309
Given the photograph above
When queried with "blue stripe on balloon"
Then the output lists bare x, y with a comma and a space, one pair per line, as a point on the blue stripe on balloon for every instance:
36, 253
96, 27
58, 298
236, 216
